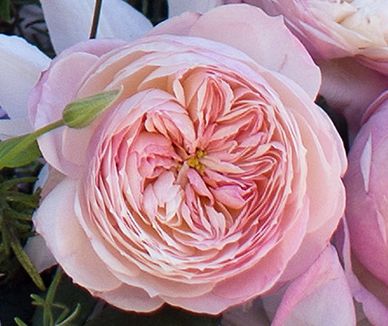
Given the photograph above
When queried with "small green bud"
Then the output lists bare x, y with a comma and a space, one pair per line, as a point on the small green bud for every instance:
81, 113
22, 150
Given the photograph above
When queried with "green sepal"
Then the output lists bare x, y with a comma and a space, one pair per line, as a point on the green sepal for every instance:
83, 112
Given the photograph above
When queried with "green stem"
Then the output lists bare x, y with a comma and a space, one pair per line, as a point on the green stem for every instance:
48, 319
39, 132
96, 18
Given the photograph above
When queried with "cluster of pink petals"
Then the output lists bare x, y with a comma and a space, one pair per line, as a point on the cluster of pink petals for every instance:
367, 210
214, 177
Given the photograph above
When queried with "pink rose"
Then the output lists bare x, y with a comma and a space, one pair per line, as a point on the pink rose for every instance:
214, 178
367, 211
347, 39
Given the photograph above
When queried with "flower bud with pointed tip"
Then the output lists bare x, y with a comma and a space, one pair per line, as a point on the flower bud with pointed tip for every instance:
81, 113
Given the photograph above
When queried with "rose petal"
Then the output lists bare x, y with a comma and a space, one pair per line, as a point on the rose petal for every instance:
261, 32
65, 148
131, 299
374, 309
365, 181
39, 254
326, 163
55, 219
314, 298
250, 283
69, 21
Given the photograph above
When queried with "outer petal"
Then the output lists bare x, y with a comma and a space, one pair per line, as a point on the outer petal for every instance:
178, 7
366, 182
250, 283
224, 24
368, 293
39, 254
327, 164
36, 247
131, 298
20, 66
65, 148
55, 219
69, 21
314, 298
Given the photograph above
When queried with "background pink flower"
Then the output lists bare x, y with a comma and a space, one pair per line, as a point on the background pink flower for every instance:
366, 210
213, 178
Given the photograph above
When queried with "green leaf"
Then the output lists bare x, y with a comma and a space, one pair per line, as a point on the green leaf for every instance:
81, 113
73, 316
5, 10
80, 304
20, 322
18, 197
16, 181
37, 300
22, 150
18, 151
25, 261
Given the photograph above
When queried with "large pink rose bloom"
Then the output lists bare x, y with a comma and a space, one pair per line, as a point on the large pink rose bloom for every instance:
214, 178
349, 41
366, 186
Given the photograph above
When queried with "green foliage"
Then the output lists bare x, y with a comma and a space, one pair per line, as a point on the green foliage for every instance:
54, 312
5, 10
18, 151
67, 304
16, 209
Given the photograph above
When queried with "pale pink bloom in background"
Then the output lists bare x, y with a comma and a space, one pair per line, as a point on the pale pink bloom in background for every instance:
213, 179
347, 39
367, 196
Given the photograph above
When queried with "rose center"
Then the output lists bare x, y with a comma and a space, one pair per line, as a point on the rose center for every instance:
195, 161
